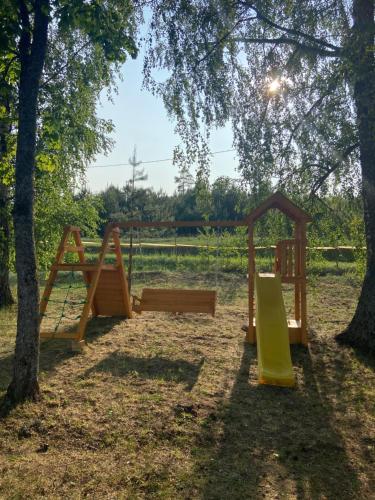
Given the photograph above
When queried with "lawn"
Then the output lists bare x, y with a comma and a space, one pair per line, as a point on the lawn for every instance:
165, 406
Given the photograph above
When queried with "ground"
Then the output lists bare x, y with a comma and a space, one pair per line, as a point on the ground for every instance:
165, 406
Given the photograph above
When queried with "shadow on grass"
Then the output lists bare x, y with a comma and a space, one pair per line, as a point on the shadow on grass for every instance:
363, 356
156, 368
54, 352
276, 440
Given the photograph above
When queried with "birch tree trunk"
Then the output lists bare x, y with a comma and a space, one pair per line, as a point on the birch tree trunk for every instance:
32, 50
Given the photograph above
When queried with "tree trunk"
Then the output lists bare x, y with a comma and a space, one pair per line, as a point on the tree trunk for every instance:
361, 331
6, 298
32, 50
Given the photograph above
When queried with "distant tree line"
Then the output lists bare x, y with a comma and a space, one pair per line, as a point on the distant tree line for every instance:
223, 200
337, 220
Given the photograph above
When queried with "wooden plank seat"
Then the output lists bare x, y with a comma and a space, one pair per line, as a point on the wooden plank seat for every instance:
176, 300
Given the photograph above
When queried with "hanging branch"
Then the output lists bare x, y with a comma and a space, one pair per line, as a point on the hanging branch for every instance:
319, 182
335, 50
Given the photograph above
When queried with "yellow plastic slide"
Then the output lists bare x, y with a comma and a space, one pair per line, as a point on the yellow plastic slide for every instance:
274, 361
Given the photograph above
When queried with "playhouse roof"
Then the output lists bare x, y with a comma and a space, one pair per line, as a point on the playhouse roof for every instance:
282, 203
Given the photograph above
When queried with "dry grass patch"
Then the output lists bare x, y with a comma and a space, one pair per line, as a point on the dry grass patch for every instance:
166, 406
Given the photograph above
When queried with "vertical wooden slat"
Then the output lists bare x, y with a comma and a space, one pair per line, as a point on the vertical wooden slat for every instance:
297, 273
250, 336
278, 258
283, 259
130, 261
289, 252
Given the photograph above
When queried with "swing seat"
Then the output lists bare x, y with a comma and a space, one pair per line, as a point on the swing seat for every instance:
176, 300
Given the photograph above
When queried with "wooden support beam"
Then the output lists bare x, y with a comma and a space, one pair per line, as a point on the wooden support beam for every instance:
179, 223
250, 334
113, 297
73, 267
297, 272
83, 267
304, 336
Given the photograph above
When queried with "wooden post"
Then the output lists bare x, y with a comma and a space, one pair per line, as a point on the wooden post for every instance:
250, 335
130, 261
304, 337
297, 273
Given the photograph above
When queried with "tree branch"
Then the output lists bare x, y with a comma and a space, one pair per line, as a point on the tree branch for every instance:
221, 40
319, 182
63, 66
290, 31
315, 105
333, 211
283, 40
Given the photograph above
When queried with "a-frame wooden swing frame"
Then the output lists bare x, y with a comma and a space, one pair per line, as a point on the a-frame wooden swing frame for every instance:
107, 287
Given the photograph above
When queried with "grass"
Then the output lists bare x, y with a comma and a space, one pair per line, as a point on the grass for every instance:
227, 260
225, 254
165, 406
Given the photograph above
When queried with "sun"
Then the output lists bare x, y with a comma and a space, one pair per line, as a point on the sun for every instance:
274, 86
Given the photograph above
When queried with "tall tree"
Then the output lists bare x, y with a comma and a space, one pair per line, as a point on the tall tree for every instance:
107, 27
32, 48
138, 174
296, 80
184, 180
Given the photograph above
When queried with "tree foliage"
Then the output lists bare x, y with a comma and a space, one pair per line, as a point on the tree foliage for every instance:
286, 90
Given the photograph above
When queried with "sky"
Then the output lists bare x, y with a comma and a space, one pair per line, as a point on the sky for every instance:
140, 120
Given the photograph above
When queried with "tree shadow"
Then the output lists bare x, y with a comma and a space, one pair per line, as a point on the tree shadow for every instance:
276, 440
55, 351
156, 368
364, 357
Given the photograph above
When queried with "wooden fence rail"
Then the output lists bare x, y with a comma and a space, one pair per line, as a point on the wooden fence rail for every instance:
97, 244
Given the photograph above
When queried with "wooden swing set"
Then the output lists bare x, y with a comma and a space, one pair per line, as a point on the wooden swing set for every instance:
107, 287
107, 284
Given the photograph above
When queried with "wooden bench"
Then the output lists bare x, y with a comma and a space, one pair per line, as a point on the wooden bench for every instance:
176, 300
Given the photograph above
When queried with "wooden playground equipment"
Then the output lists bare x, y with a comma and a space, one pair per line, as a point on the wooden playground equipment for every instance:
107, 284
176, 300
107, 289
290, 263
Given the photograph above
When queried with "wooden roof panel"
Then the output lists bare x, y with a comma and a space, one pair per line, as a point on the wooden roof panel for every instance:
282, 203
